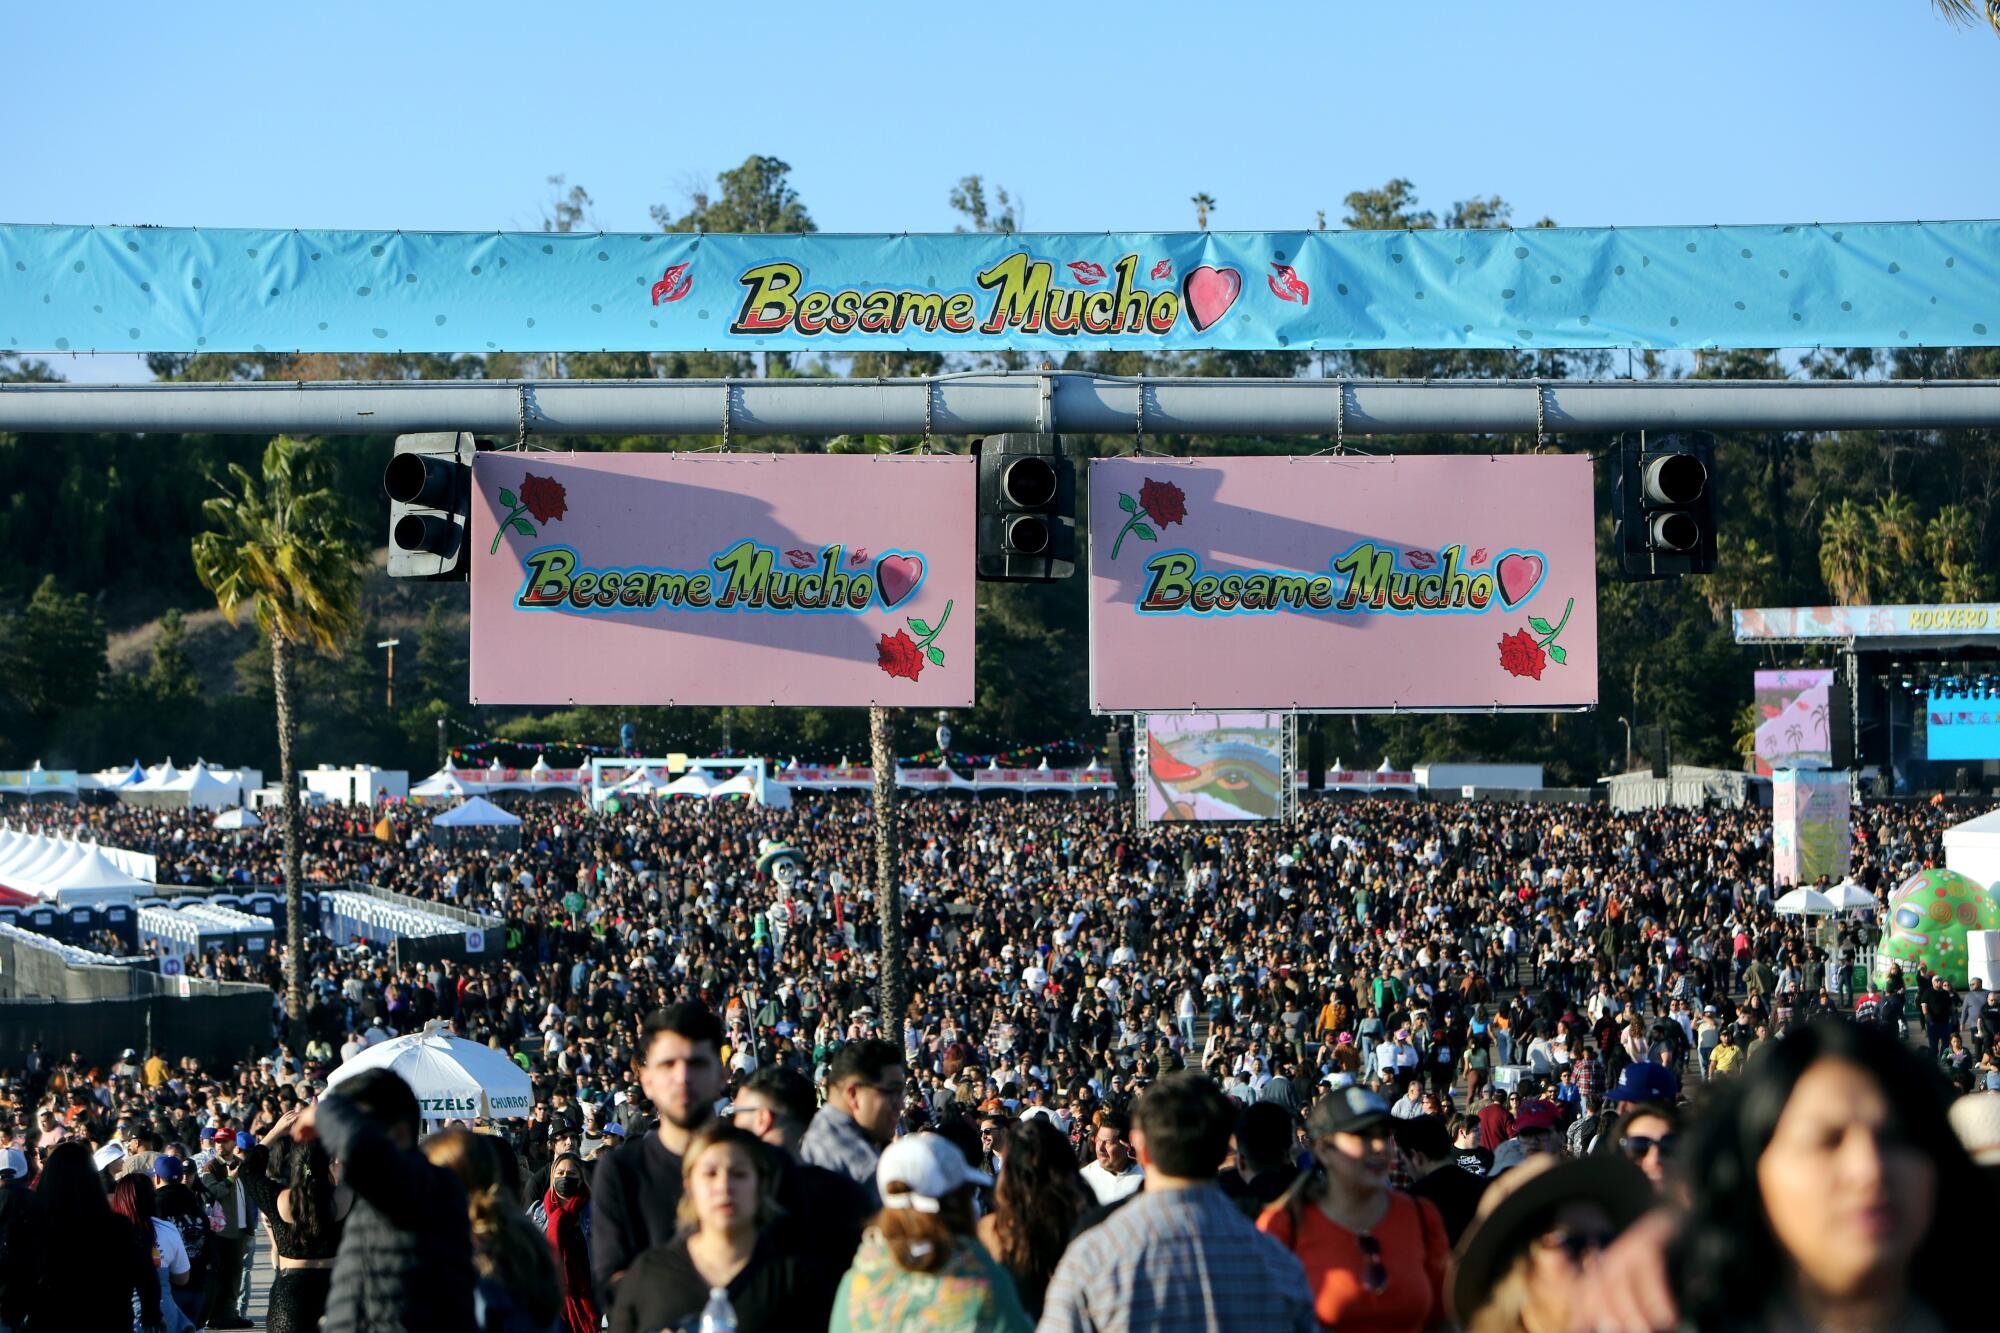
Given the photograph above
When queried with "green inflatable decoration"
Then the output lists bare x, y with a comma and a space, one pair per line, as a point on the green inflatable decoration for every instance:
1928, 920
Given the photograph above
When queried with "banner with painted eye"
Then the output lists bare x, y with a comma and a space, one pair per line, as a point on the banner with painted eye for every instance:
172, 289
1464, 583
741, 579
1220, 767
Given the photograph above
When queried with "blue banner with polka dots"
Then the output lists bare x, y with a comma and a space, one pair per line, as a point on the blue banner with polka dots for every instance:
145, 289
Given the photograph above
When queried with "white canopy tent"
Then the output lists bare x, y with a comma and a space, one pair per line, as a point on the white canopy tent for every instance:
1805, 902
454, 1079
440, 785
1973, 848
238, 819
694, 782
745, 784
1847, 896
476, 812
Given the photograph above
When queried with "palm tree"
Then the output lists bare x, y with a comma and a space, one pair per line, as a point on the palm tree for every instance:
1202, 203
281, 543
1899, 537
1846, 558
1743, 571
1968, 12
1951, 542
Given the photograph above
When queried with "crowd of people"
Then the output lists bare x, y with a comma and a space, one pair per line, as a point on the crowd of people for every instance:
1398, 1064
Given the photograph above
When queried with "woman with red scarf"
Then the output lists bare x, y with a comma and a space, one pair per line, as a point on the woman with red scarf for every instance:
564, 1213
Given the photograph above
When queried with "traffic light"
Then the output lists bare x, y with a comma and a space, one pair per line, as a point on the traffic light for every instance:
1027, 509
429, 484
1664, 500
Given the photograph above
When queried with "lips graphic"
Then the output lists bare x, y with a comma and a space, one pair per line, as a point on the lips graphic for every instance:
673, 284
1164, 269
1087, 273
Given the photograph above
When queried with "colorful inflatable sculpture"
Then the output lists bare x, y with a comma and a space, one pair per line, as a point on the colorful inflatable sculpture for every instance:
1928, 920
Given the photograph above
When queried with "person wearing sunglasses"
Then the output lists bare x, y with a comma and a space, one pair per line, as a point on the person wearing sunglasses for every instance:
1646, 1135
1374, 1257
1539, 1228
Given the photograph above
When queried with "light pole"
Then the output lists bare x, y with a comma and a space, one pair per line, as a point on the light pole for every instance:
1628, 743
390, 644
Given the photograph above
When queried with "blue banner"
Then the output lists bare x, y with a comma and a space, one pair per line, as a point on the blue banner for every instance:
144, 289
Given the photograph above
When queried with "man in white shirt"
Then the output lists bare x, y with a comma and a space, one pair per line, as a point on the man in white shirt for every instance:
1116, 1174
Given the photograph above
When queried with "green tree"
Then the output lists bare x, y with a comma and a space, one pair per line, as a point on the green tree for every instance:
171, 677
1899, 548
53, 651
567, 211
16, 369
1847, 553
755, 197
968, 197
1968, 13
1203, 204
281, 543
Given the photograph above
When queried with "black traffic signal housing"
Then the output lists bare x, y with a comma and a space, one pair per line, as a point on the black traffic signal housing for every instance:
429, 484
1663, 502
1027, 509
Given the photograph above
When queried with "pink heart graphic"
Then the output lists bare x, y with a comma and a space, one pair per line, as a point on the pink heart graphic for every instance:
897, 576
1518, 576
1208, 293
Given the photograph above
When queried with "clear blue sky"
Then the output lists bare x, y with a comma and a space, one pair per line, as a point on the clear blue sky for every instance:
1095, 115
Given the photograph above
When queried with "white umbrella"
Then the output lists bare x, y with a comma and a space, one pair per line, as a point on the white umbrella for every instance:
237, 819
1847, 896
1805, 902
454, 1079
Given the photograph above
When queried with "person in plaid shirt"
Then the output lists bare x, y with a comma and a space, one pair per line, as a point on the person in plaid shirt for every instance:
1587, 1071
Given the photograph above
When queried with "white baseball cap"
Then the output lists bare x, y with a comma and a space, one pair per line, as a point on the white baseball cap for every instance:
928, 1167
14, 1162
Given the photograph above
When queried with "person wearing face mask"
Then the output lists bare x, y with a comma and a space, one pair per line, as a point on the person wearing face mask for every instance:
1374, 1257
563, 1214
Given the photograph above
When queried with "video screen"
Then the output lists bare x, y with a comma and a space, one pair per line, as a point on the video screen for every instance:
1962, 725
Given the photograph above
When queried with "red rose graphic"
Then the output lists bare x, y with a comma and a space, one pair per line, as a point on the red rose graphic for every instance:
897, 654
1163, 502
1520, 655
544, 497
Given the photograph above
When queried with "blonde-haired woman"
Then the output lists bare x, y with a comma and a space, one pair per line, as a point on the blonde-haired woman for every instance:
519, 1289
1538, 1229
725, 1251
920, 1266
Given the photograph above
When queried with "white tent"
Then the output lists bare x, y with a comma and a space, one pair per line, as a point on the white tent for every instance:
1973, 848
199, 788
476, 812
1805, 902
773, 795
114, 778
694, 782
92, 879
1848, 896
438, 785
454, 1079
238, 819
640, 781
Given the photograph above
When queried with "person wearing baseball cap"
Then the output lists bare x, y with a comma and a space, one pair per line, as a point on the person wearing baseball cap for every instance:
1373, 1256
1645, 1081
922, 1253
1536, 1126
